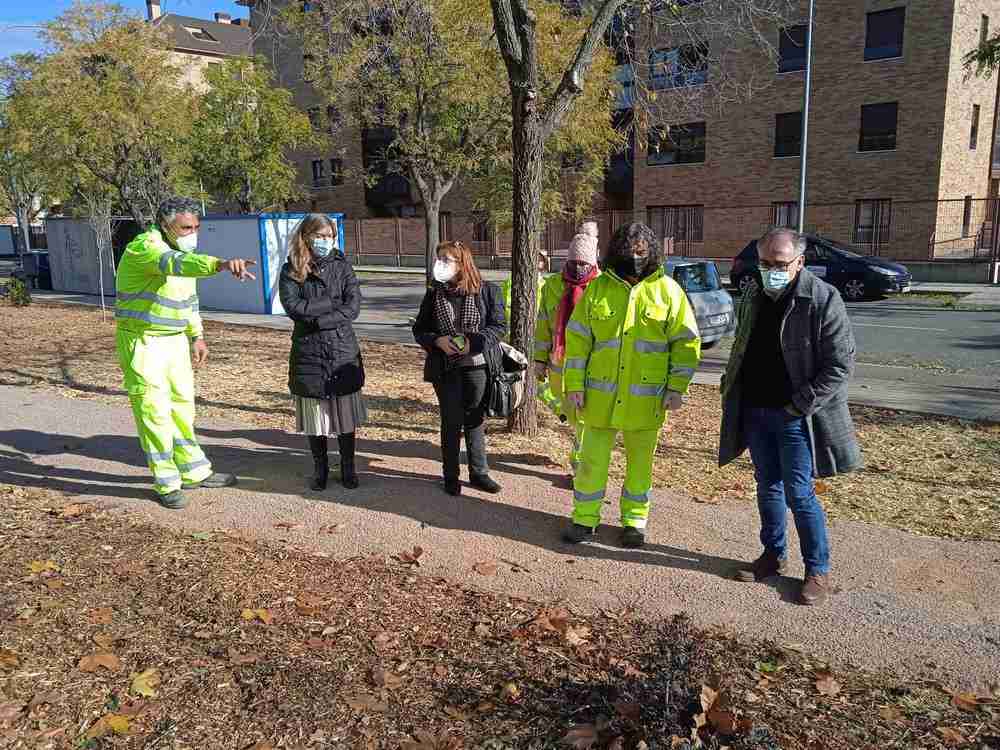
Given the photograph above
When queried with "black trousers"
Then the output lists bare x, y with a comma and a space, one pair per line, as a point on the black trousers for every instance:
460, 398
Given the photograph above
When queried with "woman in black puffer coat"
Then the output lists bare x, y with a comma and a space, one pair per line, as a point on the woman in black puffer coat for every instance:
320, 292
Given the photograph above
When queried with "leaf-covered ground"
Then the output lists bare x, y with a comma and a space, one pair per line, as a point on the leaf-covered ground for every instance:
114, 633
929, 475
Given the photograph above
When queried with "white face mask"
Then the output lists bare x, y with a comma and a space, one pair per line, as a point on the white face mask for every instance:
445, 270
322, 246
188, 242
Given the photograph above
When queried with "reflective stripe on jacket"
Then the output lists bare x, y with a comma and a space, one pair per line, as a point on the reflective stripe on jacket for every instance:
627, 345
156, 287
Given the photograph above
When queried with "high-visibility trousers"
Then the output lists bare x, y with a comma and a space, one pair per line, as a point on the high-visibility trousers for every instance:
160, 385
573, 418
590, 482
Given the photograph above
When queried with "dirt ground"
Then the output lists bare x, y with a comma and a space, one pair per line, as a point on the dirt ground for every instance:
118, 634
928, 475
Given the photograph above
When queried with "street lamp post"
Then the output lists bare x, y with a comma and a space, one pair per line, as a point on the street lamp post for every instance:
803, 159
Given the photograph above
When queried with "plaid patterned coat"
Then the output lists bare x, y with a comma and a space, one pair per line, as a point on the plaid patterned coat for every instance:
818, 346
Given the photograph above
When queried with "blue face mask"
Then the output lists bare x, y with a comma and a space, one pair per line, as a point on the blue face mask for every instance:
322, 246
775, 281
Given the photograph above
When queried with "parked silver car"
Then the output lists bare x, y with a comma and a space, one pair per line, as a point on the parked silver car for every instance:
713, 306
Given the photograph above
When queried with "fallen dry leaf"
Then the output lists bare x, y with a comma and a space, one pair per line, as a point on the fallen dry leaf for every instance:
951, 737
8, 659
145, 683
456, 713
328, 630
53, 584
257, 614
104, 640
890, 713
43, 566
386, 679
287, 525
581, 737
822, 487
965, 701
75, 509
722, 722
101, 616
510, 691
627, 710
10, 711
482, 630
826, 685
577, 636
708, 698
94, 662
411, 558
365, 702
44, 699
203, 635
108, 724
238, 659
485, 568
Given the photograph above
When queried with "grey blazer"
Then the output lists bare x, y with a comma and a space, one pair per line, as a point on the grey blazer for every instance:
817, 342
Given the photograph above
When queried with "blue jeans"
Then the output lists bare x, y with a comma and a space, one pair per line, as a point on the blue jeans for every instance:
783, 465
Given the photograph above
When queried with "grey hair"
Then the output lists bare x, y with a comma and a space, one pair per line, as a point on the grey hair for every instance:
175, 205
798, 241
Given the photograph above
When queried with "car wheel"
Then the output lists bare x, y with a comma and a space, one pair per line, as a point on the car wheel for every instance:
744, 282
705, 345
855, 289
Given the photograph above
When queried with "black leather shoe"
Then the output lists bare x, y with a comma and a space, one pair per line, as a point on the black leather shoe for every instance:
632, 538
484, 483
211, 482
575, 533
453, 486
175, 500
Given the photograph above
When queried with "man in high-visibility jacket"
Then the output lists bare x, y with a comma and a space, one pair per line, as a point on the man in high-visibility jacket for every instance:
632, 347
543, 392
559, 296
159, 328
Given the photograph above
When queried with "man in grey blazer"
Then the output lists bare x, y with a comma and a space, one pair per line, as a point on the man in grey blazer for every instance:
784, 396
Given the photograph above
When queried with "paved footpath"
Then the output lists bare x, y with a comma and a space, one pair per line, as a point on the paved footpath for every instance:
925, 606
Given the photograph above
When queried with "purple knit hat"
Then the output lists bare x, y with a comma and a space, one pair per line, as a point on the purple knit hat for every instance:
583, 248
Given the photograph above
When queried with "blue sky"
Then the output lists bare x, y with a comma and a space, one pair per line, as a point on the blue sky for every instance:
34, 12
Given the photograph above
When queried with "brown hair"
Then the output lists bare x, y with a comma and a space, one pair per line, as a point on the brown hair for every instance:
467, 279
300, 254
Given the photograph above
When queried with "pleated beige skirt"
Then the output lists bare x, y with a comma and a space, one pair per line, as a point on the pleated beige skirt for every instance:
330, 416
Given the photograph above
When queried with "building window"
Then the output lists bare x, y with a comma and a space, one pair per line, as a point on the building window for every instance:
984, 30
878, 127
884, 34
974, 131
792, 48
481, 230
872, 222
785, 214
967, 216
336, 171
319, 172
683, 223
677, 144
788, 134
678, 67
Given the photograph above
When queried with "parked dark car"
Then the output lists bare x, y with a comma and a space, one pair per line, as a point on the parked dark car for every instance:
856, 276
713, 306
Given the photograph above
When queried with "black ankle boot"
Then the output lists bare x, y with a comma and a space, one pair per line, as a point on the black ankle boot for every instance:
348, 472
321, 462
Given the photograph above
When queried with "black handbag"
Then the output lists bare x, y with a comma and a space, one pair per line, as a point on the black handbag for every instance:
507, 383
346, 379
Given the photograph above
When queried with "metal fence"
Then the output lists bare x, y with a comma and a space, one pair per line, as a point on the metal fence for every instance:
962, 229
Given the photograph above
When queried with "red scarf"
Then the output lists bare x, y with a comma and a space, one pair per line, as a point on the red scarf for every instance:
574, 292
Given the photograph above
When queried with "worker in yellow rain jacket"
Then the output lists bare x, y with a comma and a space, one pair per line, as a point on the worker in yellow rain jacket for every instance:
157, 314
559, 296
632, 348
544, 392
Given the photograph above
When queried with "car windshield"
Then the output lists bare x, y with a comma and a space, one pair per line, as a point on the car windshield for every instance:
698, 277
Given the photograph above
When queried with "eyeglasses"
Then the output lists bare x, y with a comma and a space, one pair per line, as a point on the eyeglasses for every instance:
767, 266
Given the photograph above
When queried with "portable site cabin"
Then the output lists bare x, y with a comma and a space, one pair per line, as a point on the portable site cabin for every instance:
263, 238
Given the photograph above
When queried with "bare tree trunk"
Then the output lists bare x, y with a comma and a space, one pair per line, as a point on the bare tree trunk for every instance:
432, 229
528, 146
24, 227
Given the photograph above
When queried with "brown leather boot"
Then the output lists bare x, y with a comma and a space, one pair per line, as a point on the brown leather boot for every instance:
765, 566
815, 589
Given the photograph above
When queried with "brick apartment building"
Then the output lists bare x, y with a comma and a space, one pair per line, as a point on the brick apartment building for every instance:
899, 143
